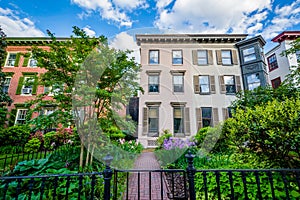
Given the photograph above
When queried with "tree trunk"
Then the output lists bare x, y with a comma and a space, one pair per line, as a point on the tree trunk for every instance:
81, 155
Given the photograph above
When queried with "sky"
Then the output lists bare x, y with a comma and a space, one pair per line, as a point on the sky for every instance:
120, 20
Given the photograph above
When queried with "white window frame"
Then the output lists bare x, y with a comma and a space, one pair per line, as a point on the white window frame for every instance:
203, 84
158, 77
8, 59
27, 88
6, 84
232, 77
177, 54
249, 54
155, 54
203, 58
181, 85
255, 83
226, 60
32, 60
23, 113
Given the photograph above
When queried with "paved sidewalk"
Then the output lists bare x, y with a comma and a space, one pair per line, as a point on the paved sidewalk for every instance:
147, 160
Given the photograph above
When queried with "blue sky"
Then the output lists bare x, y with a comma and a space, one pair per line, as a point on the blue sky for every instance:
119, 20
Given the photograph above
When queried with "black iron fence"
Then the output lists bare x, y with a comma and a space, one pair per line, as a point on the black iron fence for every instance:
163, 184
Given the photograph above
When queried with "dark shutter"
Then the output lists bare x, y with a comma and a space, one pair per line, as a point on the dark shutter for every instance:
225, 113
222, 85
35, 85
215, 116
199, 118
20, 85
195, 57
219, 57
212, 85
145, 121
210, 57
187, 120
238, 83
196, 85
234, 57
17, 60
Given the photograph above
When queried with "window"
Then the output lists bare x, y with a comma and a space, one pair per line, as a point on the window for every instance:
11, 59
178, 113
227, 113
206, 116
6, 84
272, 62
153, 121
154, 57
177, 57
249, 54
27, 85
153, 83
229, 84
204, 84
202, 57
276, 82
21, 116
178, 82
253, 81
226, 57
32, 63
55, 89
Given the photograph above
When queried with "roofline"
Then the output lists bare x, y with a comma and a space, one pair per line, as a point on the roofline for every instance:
273, 49
285, 35
32, 40
165, 38
258, 38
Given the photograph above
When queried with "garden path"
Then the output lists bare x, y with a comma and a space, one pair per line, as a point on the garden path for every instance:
146, 160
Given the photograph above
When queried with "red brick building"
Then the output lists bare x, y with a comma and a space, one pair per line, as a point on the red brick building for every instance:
22, 74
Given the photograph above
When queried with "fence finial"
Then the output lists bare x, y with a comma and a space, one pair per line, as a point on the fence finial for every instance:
191, 174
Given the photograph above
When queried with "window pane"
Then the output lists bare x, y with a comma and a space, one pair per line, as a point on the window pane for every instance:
153, 120
206, 112
11, 59
32, 63
228, 80
153, 56
272, 62
178, 120
177, 57
202, 57
178, 83
204, 84
253, 81
248, 51
226, 57
154, 83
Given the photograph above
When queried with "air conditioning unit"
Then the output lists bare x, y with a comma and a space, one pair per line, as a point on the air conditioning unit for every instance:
26, 91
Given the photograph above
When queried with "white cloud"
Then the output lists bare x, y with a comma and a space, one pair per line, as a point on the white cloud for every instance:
130, 4
106, 9
89, 31
214, 16
284, 18
15, 26
124, 41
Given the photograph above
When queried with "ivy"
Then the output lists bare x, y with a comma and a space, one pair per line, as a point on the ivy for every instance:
26, 59
17, 60
20, 84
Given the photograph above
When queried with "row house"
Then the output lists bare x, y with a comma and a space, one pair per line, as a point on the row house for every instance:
21, 76
279, 66
189, 81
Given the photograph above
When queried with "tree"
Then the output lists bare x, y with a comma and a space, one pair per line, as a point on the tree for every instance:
90, 81
4, 97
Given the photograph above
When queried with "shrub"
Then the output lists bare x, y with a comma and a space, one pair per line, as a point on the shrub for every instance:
166, 134
15, 135
271, 130
50, 140
33, 145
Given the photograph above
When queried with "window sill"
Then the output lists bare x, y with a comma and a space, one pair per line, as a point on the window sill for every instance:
153, 93
26, 94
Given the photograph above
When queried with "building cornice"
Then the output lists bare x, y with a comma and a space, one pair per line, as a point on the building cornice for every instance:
286, 35
28, 41
189, 38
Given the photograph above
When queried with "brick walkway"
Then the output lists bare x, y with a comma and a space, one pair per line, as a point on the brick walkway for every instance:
147, 160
